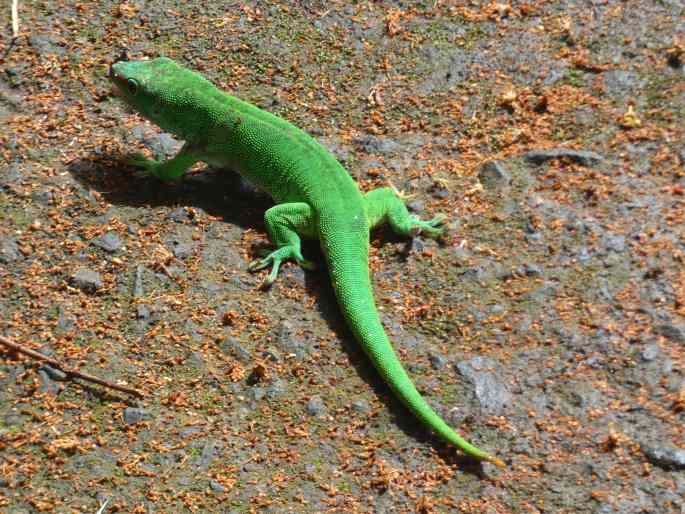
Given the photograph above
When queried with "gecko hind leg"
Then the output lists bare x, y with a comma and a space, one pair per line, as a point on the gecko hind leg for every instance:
385, 205
285, 223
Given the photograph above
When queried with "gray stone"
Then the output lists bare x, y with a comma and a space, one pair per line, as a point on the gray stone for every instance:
133, 415
417, 245
216, 487
142, 312
360, 406
416, 206
276, 389
584, 255
47, 385
532, 270
615, 243
542, 293
258, 393
670, 331
373, 144
46, 44
582, 157
619, 84
316, 406
109, 242
294, 275
232, 347
65, 323
189, 431
211, 288
650, 352
192, 330
440, 193
44, 197
54, 373
138, 282
665, 457
207, 455
195, 360
497, 309
476, 273
14, 419
585, 396
9, 176
9, 251
491, 392
372, 168
179, 215
289, 341
461, 256
180, 249
87, 280
493, 175
272, 354
164, 144
437, 361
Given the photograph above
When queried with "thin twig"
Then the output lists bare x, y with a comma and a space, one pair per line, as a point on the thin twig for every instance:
103, 506
71, 372
15, 19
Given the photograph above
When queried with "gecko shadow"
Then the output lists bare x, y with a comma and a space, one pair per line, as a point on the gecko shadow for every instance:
219, 193
225, 195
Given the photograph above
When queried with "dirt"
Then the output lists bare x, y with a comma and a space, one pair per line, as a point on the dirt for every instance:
547, 325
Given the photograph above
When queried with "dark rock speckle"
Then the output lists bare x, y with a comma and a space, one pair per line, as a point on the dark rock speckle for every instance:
580, 156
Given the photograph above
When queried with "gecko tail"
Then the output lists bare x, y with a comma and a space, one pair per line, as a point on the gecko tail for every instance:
348, 266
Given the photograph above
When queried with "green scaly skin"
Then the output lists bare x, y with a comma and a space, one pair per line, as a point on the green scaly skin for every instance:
315, 198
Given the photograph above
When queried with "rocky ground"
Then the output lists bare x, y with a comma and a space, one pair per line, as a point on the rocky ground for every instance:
548, 325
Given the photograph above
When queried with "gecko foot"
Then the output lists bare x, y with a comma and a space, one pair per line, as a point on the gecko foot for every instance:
147, 166
275, 258
433, 227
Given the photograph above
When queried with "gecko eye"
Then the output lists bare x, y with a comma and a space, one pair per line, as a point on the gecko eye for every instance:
132, 86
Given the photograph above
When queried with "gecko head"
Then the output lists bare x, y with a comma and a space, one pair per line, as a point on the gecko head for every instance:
141, 83
159, 89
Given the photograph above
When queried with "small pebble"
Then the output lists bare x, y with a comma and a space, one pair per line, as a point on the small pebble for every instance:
316, 406
133, 415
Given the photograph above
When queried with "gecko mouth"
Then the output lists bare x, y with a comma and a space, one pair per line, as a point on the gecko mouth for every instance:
114, 77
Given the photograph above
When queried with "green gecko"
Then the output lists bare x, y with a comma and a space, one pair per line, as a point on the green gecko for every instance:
315, 197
